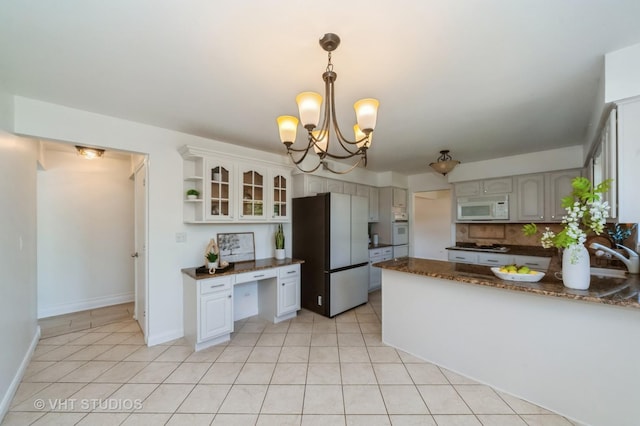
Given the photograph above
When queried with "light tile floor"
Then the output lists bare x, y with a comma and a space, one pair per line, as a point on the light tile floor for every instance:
308, 371
84, 320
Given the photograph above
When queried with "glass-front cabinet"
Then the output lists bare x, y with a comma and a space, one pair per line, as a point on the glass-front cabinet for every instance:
219, 201
281, 195
252, 192
219, 188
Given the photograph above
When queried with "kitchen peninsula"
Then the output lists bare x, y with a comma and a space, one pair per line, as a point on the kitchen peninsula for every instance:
573, 352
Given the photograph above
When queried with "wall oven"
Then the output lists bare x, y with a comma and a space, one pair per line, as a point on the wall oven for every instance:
488, 207
400, 234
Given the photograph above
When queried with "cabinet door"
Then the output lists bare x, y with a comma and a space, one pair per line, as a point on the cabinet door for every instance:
334, 186
559, 187
399, 197
530, 193
498, 186
374, 196
315, 185
252, 192
349, 188
281, 197
288, 295
219, 181
375, 274
216, 315
465, 189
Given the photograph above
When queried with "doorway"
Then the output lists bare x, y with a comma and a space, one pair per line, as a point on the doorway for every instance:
433, 228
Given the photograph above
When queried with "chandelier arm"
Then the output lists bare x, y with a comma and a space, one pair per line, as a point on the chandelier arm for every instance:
341, 139
297, 164
325, 166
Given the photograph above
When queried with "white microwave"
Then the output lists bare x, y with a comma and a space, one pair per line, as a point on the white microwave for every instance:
486, 207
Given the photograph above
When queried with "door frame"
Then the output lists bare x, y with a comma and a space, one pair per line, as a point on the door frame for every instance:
142, 254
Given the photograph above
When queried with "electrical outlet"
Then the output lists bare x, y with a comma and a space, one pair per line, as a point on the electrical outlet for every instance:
319, 300
181, 237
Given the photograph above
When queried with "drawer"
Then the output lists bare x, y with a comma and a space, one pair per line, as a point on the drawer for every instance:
211, 285
256, 275
375, 253
289, 271
463, 256
387, 251
493, 259
533, 262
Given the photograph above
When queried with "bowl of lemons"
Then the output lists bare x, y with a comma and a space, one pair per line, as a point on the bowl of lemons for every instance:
517, 273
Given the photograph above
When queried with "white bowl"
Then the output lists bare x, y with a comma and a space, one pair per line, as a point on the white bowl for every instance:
527, 278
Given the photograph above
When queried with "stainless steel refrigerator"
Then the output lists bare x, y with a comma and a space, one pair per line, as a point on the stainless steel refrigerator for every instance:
330, 235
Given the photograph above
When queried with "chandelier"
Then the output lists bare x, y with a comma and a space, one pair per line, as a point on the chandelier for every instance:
444, 164
320, 139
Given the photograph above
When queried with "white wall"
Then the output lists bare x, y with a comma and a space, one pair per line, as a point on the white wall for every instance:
622, 68
86, 208
166, 256
432, 229
19, 330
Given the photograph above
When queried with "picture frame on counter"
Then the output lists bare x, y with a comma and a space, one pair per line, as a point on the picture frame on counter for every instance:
237, 247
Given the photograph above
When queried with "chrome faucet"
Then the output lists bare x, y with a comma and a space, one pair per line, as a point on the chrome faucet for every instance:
632, 263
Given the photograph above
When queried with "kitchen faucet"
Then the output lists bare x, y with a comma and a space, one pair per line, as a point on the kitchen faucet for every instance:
632, 263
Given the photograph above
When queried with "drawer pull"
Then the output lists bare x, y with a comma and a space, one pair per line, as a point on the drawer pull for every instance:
493, 260
531, 264
459, 257
216, 285
258, 276
291, 272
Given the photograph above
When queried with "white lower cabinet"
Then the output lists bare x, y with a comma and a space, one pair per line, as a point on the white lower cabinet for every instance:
288, 290
499, 259
216, 315
375, 273
209, 302
208, 310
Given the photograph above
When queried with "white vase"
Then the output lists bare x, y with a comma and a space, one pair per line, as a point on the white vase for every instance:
280, 254
576, 267
192, 197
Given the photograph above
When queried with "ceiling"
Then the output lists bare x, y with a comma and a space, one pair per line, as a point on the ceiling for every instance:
484, 79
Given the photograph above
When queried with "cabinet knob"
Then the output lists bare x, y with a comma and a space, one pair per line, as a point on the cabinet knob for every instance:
229, 296
282, 284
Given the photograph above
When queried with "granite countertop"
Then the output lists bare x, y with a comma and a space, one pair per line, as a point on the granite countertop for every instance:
613, 291
240, 267
515, 249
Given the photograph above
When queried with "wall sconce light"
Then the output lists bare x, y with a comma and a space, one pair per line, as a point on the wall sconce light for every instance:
89, 153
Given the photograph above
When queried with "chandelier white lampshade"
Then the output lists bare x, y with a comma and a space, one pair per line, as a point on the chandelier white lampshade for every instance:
309, 104
288, 126
367, 114
321, 139
444, 164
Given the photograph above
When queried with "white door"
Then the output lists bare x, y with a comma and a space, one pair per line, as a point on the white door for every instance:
140, 254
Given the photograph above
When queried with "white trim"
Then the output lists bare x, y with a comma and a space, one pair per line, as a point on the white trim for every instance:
83, 305
13, 386
164, 337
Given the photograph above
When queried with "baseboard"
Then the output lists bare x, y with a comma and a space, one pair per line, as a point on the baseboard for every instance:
153, 340
13, 386
83, 305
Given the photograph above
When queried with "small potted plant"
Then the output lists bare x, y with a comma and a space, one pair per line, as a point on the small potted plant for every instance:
193, 194
279, 238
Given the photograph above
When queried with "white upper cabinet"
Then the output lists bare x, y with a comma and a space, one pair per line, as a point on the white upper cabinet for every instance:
399, 197
335, 186
539, 196
482, 187
233, 190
